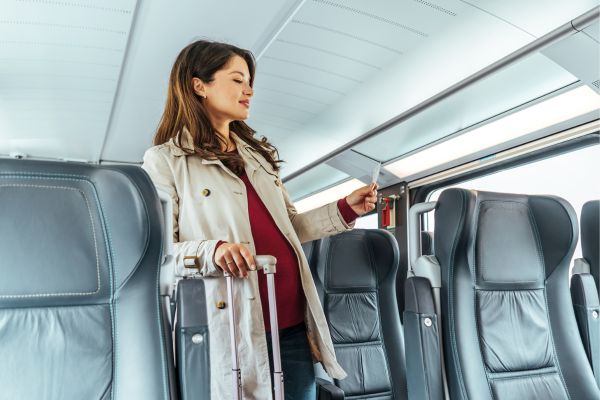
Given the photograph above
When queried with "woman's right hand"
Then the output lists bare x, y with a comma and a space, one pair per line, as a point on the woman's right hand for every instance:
234, 258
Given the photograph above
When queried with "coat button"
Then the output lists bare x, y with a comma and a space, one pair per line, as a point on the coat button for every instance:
221, 305
277, 182
206, 193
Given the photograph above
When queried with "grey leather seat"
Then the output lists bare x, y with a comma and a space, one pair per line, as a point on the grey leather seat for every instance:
584, 285
80, 253
355, 274
426, 243
509, 330
590, 238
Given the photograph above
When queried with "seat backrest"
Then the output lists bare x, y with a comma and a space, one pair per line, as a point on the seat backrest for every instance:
590, 239
509, 328
80, 250
311, 250
355, 273
426, 243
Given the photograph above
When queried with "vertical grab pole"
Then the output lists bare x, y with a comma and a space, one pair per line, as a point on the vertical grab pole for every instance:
268, 264
236, 374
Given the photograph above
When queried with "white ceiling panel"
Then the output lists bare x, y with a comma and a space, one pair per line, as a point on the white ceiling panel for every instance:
446, 58
162, 29
465, 44
296, 94
329, 70
318, 82
367, 54
536, 17
59, 71
593, 31
419, 17
328, 50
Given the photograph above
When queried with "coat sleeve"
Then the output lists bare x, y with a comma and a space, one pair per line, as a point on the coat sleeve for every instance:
157, 167
315, 224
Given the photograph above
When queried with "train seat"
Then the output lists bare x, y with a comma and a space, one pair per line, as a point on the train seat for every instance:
590, 238
355, 274
584, 285
426, 243
80, 313
509, 321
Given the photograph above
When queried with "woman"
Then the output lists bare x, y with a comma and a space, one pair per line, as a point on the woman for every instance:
228, 205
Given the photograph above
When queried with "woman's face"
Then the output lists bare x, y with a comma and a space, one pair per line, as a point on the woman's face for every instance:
227, 97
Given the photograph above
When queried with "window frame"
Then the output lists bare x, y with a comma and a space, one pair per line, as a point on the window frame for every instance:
420, 194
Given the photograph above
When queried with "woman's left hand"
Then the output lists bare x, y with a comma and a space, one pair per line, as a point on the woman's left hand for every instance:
364, 199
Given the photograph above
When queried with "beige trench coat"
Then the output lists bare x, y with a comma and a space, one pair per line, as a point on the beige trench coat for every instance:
200, 221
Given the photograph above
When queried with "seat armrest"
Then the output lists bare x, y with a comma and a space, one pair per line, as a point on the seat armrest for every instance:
328, 391
423, 355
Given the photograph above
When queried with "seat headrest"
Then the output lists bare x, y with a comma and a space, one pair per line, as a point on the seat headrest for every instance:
357, 260
506, 239
72, 233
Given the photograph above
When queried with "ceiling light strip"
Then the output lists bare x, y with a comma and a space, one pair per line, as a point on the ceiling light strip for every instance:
509, 154
505, 129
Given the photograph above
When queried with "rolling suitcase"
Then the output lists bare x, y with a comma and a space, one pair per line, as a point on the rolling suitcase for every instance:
268, 265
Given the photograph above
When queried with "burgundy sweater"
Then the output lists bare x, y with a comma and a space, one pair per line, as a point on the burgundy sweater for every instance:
268, 239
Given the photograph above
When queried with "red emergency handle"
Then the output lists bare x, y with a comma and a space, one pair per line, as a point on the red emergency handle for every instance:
385, 214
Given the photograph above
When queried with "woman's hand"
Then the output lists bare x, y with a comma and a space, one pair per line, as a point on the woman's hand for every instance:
235, 259
364, 199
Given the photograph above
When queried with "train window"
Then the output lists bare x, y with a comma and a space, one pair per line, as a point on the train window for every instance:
572, 176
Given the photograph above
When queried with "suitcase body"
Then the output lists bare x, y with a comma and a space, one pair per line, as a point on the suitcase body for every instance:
268, 265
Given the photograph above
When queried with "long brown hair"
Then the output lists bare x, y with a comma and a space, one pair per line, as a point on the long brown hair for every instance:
184, 108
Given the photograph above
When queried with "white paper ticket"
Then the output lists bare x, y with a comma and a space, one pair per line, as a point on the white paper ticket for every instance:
375, 173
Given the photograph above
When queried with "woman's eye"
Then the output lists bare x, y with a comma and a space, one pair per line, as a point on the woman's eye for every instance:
238, 81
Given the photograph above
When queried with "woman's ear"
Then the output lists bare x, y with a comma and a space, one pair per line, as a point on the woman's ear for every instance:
199, 88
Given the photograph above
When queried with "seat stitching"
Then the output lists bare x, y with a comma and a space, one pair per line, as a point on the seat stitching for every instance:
98, 283
549, 372
108, 245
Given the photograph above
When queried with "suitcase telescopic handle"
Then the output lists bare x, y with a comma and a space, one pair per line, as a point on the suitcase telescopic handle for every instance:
267, 263
269, 266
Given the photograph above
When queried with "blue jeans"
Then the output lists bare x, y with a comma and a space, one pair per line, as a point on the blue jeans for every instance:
296, 363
